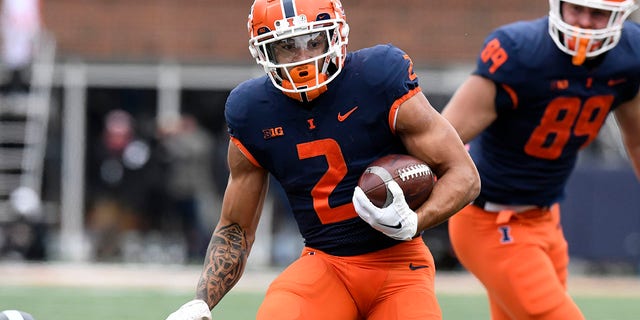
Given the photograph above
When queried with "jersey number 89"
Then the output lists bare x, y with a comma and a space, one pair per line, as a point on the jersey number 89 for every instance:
562, 116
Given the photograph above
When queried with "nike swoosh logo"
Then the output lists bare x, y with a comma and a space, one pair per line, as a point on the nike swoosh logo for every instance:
344, 117
613, 82
397, 226
412, 267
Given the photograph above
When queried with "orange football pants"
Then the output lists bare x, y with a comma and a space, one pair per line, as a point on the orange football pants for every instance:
520, 258
374, 286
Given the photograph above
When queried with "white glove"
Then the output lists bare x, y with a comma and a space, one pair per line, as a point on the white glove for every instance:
195, 309
396, 220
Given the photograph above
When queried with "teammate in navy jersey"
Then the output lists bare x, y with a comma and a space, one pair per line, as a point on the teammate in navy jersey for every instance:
541, 91
314, 123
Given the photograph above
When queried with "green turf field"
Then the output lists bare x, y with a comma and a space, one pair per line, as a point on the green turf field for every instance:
54, 303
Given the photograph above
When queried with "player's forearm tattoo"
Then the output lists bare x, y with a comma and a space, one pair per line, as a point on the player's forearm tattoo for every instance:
224, 263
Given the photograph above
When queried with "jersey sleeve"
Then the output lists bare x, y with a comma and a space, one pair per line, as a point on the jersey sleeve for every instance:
234, 112
237, 117
498, 58
248, 98
390, 70
498, 61
629, 58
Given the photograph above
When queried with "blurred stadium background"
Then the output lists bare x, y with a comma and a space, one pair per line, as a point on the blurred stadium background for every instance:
122, 157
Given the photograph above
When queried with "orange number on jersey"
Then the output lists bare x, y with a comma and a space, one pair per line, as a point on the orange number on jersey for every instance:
555, 124
412, 75
337, 170
559, 119
593, 115
494, 52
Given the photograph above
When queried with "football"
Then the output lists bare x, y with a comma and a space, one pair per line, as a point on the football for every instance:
412, 175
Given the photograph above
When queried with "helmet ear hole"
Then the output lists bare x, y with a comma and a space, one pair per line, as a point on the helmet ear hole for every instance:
344, 31
253, 51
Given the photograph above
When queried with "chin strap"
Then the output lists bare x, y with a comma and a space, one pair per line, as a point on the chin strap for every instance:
304, 77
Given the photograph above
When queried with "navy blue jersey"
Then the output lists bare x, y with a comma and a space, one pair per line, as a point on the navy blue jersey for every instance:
548, 109
318, 150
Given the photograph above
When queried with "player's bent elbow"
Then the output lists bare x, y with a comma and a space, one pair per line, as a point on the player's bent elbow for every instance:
474, 185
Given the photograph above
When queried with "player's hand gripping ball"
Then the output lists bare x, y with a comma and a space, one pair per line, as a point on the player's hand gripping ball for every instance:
413, 175
389, 191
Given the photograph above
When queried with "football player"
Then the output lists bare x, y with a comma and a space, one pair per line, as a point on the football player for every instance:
314, 122
540, 92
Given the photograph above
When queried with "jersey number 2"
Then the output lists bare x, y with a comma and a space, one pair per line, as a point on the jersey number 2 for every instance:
562, 116
337, 170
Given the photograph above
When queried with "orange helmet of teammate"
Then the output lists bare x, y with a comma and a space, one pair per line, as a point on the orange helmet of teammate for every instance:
584, 43
301, 44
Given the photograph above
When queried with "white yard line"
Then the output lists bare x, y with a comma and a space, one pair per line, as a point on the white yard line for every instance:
185, 278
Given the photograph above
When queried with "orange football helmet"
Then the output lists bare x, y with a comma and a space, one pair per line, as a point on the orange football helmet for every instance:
301, 44
586, 43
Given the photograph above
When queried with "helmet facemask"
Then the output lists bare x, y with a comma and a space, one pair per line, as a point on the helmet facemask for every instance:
301, 57
584, 43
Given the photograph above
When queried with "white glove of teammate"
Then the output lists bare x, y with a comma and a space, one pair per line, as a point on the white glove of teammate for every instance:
396, 220
195, 309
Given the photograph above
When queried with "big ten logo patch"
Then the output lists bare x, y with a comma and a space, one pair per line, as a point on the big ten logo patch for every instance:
272, 132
